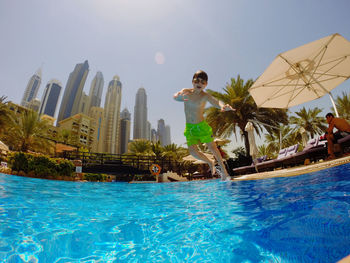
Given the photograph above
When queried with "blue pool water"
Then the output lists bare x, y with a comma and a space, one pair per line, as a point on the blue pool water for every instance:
295, 219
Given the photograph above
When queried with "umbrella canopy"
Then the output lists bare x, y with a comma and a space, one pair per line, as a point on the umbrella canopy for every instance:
63, 147
3, 147
304, 73
253, 152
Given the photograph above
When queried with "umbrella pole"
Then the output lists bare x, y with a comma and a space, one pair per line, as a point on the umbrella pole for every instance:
329, 93
335, 108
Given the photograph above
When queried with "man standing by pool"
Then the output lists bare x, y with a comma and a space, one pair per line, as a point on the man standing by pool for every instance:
343, 130
197, 129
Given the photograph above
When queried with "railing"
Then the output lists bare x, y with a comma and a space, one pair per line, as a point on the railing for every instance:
140, 164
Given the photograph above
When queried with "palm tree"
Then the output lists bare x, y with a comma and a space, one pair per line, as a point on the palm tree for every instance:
140, 147
237, 95
28, 132
157, 149
343, 106
174, 152
263, 150
308, 120
5, 114
279, 139
67, 137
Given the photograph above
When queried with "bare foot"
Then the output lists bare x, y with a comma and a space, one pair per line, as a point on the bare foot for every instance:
330, 157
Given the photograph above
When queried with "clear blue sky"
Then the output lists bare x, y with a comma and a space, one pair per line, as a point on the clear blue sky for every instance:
123, 37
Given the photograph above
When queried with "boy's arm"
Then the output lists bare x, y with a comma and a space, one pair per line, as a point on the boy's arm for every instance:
182, 95
219, 104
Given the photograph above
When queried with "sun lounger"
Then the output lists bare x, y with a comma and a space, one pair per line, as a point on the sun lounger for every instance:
344, 143
272, 164
248, 169
314, 151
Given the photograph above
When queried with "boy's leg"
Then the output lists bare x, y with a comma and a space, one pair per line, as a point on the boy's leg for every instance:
212, 147
193, 149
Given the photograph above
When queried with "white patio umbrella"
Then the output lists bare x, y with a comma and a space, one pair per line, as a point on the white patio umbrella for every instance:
253, 149
303, 74
3, 147
304, 136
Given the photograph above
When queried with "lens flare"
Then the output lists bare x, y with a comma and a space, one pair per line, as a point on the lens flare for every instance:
159, 58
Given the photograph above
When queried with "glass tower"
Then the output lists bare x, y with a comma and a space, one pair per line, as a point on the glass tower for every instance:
140, 115
73, 91
96, 90
112, 116
32, 88
50, 98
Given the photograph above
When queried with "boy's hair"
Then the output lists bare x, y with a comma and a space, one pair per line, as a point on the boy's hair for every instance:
329, 115
201, 75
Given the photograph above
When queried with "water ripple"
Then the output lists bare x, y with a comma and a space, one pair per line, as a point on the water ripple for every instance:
295, 219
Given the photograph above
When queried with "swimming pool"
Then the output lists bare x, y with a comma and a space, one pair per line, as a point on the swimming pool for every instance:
294, 219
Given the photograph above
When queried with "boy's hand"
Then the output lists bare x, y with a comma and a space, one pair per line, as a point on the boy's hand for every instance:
182, 95
227, 107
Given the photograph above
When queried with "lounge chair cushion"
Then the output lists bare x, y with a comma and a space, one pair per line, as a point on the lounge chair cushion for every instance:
260, 159
292, 149
282, 153
312, 143
345, 139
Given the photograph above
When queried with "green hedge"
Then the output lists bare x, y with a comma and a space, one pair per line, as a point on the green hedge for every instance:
41, 166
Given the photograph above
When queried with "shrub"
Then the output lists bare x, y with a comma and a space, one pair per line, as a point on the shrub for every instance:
40, 165
18, 161
65, 167
95, 177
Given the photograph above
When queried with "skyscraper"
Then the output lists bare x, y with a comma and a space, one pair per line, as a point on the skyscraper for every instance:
140, 115
34, 104
84, 104
72, 94
148, 130
50, 98
96, 90
32, 88
167, 140
98, 124
125, 121
112, 116
161, 132
154, 135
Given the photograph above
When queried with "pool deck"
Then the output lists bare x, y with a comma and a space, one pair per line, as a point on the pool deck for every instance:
294, 171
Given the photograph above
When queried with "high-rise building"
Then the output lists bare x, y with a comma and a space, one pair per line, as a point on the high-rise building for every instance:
98, 124
125, 123
148, 131
32, 88
140, 115
112, 115
50, 98
96, 90
73, 92
34, 104
161, 132
167, 139
84, 104
154, 135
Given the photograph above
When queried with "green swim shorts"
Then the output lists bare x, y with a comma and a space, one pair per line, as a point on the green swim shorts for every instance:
198, 132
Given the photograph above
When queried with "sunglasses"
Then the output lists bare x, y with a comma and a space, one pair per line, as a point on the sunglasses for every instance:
199, 80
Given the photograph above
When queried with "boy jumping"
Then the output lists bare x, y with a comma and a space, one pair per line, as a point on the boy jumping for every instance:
197, 129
